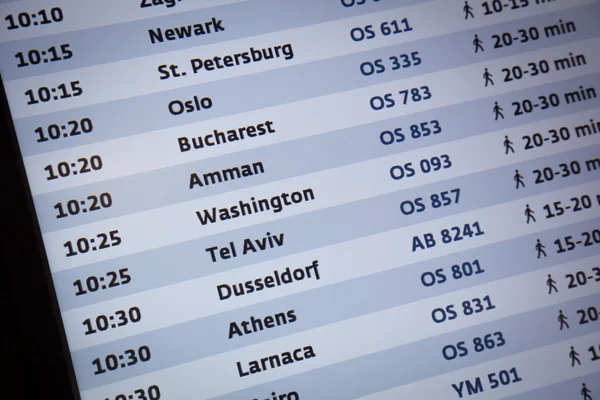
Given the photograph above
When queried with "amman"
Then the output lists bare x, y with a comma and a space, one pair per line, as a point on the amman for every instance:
225, 175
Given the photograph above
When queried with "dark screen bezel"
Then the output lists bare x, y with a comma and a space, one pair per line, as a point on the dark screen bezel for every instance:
37, 355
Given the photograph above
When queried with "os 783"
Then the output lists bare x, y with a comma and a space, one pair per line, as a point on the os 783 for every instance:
404, 97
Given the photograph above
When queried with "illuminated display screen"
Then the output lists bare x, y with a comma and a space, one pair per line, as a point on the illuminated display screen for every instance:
333, 199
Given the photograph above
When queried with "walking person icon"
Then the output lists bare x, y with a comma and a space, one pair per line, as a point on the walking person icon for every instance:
498, 111
508, 145
529, 213
574, 357
478, 43
468, 10
540, 249
585, 392
519, 179
563, 320
551, 283
487, 75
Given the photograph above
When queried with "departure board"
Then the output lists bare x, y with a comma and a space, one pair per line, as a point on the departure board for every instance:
318, 199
